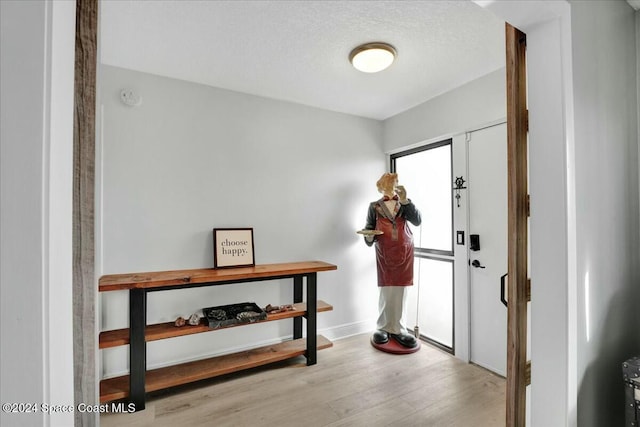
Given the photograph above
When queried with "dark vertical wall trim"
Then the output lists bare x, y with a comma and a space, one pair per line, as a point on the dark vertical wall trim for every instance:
84, 286
517, 123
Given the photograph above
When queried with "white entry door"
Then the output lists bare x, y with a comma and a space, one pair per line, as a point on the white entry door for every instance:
487, 187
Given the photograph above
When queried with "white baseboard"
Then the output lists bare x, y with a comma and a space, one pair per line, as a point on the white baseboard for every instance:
348, 330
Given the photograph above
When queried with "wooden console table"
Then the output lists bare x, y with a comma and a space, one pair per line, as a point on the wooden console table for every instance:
140, 381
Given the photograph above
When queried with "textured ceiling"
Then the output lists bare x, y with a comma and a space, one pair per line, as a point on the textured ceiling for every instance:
298, 50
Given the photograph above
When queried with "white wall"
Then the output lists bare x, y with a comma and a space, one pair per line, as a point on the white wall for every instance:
607, 209
36, 113
474, 104
469, 107
548, 225
191, 158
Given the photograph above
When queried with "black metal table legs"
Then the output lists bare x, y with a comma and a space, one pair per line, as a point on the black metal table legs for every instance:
137, 347
312, 308
297, 297
312, 311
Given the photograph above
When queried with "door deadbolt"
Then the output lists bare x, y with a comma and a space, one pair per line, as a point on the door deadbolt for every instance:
474, 242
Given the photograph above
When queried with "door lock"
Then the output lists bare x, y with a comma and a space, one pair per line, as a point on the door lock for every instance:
476, 264
474, 242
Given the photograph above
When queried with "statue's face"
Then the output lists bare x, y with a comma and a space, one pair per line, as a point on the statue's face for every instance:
389, 185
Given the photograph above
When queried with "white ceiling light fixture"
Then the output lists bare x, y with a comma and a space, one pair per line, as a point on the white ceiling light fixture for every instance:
372, 57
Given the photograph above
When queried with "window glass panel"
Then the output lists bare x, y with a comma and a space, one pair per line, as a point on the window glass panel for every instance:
427, 178
430, 300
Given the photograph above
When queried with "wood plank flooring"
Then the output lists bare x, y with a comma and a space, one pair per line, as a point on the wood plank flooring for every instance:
353, 384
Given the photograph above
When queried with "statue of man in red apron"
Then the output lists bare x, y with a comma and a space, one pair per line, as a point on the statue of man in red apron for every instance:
387, 227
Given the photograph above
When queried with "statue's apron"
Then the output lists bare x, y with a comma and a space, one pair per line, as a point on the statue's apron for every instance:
394, 248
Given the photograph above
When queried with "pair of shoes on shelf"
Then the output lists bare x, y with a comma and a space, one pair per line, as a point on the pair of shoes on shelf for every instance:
380, 337
405, 340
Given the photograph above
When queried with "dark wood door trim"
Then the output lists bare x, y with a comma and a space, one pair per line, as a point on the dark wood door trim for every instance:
517, 123
84, 281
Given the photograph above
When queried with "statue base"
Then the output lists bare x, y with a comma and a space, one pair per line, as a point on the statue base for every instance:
394, 347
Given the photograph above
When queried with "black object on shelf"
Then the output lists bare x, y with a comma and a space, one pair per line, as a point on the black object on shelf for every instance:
232, 314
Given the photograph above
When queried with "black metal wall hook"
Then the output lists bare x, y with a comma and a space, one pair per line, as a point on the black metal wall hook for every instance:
459, 185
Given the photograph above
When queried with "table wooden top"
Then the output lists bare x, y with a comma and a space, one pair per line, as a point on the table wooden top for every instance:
155, 279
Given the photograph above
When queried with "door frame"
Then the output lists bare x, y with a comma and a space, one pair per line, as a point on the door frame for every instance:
83, 225
518, 370
83, 250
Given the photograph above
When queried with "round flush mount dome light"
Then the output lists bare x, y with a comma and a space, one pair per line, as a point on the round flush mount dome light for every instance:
372, 57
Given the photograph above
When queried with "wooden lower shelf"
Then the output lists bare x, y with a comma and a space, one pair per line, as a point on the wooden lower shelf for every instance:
159, 331
158, 379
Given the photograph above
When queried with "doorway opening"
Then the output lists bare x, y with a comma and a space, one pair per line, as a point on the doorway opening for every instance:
517, 287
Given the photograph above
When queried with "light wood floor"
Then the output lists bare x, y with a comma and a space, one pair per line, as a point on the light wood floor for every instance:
352, 385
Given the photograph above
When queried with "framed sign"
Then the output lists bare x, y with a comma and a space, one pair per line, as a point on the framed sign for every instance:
233, 247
